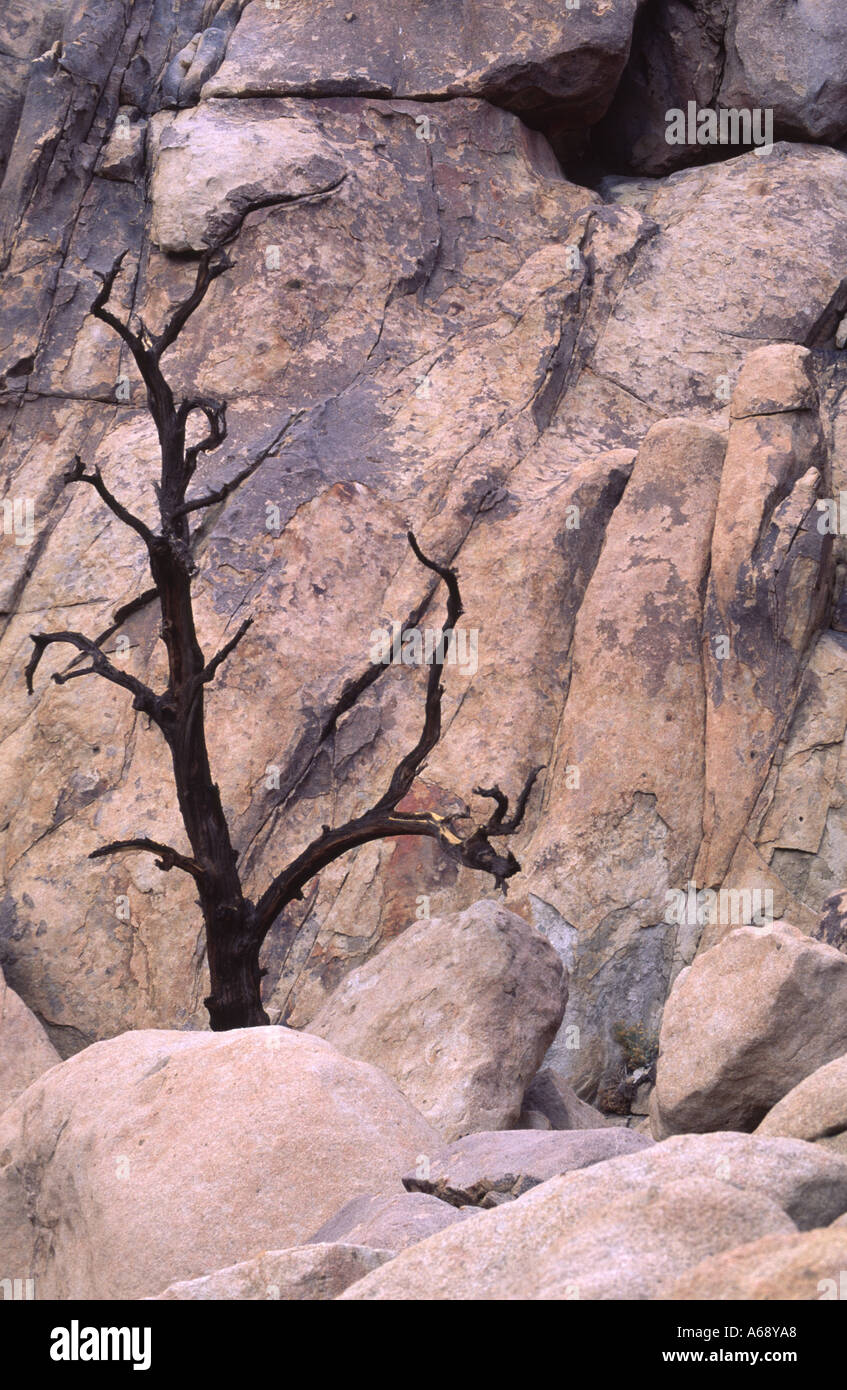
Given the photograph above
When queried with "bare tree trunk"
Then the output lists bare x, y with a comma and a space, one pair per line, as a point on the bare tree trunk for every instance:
235, 926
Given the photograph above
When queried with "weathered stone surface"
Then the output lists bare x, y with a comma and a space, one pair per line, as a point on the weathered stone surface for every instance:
390, 1221
572, 1239
792, 846
307, 1273
748, 1021
478, 347
807, 1265
815, 1110
160, 1156
554, 64
459, 1010
832, 927
214, 163
550, 1094
769, 584
744, 54
486, 1168
25, 1049
711, 286
622, 818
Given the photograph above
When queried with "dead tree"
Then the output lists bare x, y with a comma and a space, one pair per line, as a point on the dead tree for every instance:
235, 925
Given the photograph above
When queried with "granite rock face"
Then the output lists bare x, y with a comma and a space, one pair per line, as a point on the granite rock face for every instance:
555, 64
428, 323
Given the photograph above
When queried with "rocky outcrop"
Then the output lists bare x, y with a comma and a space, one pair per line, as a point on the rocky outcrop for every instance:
479, 346
769, 583
158, 1157
622, 815
487, 1169
25, 1049
459, 1010
815, 1110
749, 1020
557, 65
308, 1273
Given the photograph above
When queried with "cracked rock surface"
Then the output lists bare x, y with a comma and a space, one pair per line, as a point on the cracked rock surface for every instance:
536, 374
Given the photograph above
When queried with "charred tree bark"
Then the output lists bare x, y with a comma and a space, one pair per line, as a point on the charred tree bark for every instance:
235, 926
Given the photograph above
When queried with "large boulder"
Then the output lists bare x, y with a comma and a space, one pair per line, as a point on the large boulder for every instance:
624, 1228
459, 1010
808, 1265
486, 1169
307, 1273
815, 1110
25, 1049
743, 1025
389, 1221
159, 1156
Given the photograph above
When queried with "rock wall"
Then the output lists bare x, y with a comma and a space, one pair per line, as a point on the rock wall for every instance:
430, 321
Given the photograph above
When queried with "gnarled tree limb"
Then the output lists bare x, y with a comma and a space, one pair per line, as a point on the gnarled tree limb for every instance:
144, 699
168, 858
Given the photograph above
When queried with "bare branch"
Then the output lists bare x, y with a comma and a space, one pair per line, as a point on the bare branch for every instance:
220, 494
496, 825
408, 768
144, 698
212, 264
168, 858
77, 474
208, 672
384, 821
98, 304
215, 412
119, 617
474, 852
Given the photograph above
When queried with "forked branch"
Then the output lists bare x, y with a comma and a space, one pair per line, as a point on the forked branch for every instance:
384, 820
144, 698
